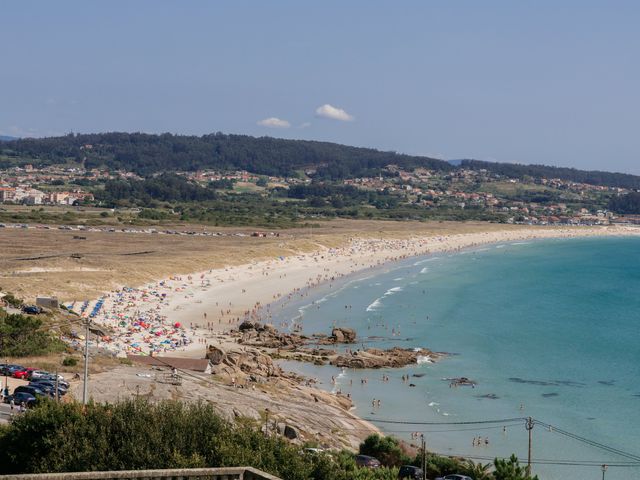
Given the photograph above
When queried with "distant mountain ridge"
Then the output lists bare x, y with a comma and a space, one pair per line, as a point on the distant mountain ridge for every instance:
148, 154
592, 177
7, 138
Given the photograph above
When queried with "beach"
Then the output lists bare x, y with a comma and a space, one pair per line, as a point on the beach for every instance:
183, 314
178, 315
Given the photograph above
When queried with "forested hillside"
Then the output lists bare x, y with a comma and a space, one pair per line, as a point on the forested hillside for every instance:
594, 177
147, 154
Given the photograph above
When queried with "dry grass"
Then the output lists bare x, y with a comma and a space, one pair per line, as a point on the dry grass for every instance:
39, 262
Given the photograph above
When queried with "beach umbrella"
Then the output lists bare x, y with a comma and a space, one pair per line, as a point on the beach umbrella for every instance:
177, 325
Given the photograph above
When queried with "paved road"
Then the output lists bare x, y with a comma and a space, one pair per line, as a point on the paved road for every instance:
5, 412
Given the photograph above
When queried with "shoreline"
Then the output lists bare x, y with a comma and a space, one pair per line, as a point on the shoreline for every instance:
254, 290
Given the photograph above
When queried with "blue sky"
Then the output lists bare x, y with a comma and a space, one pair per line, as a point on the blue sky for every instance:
520, 81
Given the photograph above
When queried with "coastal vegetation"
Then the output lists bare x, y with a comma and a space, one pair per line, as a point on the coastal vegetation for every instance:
234, 180
146, 154
135, 434
592, 177
628, 204
26, 335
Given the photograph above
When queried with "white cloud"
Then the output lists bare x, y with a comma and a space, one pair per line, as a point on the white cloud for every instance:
305, 125
274, 122
329, 111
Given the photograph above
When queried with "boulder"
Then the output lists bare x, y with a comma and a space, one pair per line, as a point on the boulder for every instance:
343, 335
215, 355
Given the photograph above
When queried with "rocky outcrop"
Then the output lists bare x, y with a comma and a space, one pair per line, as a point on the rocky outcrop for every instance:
338, 335
240, 361
299, 347
376, 358
343, 335
267, 336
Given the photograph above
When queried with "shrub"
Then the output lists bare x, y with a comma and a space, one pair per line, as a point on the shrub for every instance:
22, 335
385, 449
70, 362
13, 300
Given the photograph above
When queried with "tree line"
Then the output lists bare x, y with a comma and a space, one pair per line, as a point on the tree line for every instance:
626, 204
146, 154
592, 177
136, 434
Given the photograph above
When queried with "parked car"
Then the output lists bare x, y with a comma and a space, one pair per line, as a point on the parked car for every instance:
41, 374
48, 389
52, 379
31, 390
31, 309
454, 476
367, 461
411, 472
10, 369
49, 386
23, 374
21, 397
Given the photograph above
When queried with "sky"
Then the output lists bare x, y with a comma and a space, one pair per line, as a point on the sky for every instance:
548, 82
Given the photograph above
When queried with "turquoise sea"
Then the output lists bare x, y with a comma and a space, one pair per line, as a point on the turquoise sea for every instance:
548, 329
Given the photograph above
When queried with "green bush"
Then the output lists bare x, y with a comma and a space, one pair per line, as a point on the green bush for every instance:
386, 449
13, 300
70, 362
134, 434
23, 335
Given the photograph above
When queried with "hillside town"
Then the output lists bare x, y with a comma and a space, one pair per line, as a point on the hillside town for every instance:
534, 201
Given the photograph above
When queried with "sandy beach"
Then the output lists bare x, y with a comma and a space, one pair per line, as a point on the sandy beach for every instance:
178, 315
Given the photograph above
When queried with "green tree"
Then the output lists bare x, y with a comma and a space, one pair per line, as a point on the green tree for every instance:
510, 470
477, 471
386, 449
22, 335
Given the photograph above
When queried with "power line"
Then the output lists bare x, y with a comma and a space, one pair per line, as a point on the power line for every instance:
477, 422
475, 429
551, 428
587, 441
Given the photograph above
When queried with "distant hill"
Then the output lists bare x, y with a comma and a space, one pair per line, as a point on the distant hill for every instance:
455, 163
593, 177
148, 154
6, 138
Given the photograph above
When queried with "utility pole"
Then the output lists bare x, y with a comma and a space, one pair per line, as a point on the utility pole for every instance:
85, 391
57, 385
6, 379
424, 457
604, 469
529, 427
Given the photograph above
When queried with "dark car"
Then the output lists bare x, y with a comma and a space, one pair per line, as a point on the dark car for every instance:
21, 397
49, 387
31, 390
31, 309
409, 471
52, 379
367, 461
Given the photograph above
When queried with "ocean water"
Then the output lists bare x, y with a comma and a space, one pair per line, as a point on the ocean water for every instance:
548, 329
